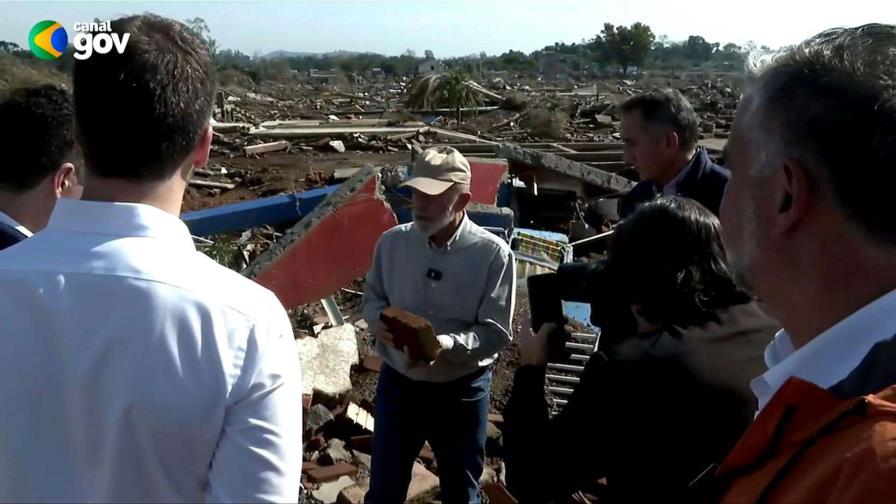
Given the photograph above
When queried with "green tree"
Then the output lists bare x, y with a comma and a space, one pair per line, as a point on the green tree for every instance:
452, 89
625, 46
198, 25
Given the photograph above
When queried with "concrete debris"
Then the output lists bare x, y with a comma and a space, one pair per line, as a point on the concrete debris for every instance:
318, 416
329, 492
335, 453
266, 147
424, 484
327, 361
337, 145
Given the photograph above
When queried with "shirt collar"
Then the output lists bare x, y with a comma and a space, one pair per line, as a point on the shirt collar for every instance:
9, 221
672, 186
118, 220
832, 355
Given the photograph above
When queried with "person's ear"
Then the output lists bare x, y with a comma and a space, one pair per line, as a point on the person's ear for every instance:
463, 200
63, 179
794, 195
199, 156
671, 140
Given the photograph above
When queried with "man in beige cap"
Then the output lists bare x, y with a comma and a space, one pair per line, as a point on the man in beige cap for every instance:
461, 278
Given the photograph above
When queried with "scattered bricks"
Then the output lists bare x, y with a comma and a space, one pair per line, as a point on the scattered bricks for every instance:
372, 363
335, 453
314, 444
424, 484
413, 332
328, 493
497, 494
362, 444
351, 495
332, 473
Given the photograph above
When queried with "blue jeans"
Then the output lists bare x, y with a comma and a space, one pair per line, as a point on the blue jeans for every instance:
452, 416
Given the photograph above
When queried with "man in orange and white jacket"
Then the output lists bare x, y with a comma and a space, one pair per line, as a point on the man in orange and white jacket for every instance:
813, 159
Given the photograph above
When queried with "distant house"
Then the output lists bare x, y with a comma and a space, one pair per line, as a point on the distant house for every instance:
430, 66
331, 78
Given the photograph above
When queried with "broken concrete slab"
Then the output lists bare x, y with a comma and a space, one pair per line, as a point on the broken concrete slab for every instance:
351, 495
329, 492
332, 131
424, 484
311, 260
336, 145
327, 361
555, 163
266, 147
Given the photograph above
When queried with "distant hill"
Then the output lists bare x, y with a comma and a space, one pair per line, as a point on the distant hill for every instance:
292, 54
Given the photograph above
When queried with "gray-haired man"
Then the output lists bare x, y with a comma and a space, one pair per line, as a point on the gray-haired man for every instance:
461, 279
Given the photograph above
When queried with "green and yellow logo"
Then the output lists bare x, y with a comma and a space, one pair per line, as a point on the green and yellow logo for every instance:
48, 40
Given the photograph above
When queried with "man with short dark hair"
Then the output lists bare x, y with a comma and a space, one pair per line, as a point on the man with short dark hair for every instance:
37, 141
805, 223
134, 368
659, 130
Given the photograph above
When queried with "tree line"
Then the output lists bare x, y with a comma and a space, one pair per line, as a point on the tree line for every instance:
615, 50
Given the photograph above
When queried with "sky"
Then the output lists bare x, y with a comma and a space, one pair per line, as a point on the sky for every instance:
462, 27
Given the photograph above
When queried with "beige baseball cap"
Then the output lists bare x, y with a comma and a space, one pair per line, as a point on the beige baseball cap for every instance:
437, 169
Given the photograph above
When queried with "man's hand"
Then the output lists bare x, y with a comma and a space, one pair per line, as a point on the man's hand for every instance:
381, 332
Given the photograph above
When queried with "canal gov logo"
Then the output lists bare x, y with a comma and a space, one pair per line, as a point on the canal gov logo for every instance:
49, 40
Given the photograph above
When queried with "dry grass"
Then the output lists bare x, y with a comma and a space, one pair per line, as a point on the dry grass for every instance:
18, 72
546, 123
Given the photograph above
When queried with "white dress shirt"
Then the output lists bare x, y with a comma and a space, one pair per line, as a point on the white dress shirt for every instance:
832, 355
9, 221
134, 368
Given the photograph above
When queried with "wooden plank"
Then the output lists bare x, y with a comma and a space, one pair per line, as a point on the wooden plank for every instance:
454, 135
266, 147
211, 185
328, 131
562, 148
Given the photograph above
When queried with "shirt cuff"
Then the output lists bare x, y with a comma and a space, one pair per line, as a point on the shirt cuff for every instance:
447, 342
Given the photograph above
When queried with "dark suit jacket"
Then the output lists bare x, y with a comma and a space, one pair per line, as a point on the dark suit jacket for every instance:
9, 235
704, 182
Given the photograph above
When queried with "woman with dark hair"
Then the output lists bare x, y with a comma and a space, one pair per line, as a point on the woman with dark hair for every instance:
668, 395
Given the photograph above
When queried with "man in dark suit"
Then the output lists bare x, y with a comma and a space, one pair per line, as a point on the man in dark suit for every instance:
659, 130
38, 144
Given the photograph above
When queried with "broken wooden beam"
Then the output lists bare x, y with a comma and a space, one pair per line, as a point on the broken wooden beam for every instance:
454, 135
219, 127
266, 147
558, 164
211, 185
331, 130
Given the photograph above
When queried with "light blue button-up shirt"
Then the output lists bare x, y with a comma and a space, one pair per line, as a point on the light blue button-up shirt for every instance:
472, 303
135, 369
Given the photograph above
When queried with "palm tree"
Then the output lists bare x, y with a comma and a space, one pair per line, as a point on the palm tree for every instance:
447, 90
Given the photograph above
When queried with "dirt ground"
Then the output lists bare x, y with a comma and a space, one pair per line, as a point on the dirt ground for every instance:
279, 172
